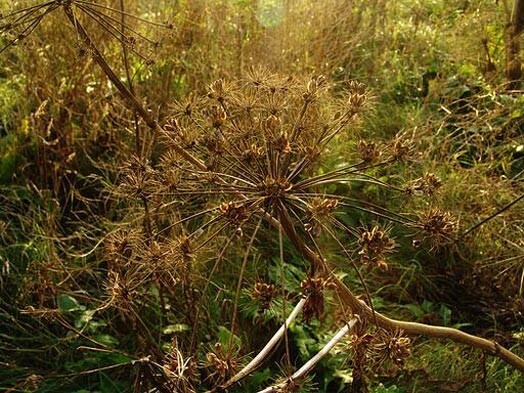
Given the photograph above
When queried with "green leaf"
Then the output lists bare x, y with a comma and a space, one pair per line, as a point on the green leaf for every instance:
177, 328
106, 339
417, 312
224, 337
67, 303
84, 318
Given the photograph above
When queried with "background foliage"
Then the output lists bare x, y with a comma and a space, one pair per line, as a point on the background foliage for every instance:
435, 75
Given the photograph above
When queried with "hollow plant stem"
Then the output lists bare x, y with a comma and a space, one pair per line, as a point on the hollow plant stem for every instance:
356, 306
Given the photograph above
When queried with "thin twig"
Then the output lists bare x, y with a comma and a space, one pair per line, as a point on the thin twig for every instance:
485, 220
128, 96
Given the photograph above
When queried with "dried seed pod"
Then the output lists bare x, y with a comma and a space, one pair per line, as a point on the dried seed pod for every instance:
374, 245
369, 152
428, 184
263, 293
313, 288
390, 349
439, 228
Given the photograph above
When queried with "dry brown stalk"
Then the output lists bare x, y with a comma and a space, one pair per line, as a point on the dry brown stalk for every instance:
356, 306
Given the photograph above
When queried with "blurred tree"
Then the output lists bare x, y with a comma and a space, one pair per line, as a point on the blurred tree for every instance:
514, 30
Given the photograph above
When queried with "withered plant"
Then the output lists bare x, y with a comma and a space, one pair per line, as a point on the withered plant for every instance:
250, 160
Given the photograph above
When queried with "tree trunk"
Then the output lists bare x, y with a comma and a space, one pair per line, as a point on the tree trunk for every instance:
513, 32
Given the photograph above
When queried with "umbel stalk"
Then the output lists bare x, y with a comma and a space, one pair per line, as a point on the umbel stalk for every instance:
348, 299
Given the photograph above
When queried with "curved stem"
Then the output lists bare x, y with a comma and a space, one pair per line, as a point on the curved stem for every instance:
356, 306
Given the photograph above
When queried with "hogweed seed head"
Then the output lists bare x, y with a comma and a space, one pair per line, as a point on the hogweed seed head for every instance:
313, 288
369, 152
263, 293
438, 227
374, 244
427, 185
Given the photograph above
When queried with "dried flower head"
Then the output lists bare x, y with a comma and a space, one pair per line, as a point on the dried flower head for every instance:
220, 90
119, 247
438, 227
319, 209
400, 148
220, 363
138, 180
374, 244
313, 288
390, 349
369, 151
181, 372
263, 293
121, 291
428, 184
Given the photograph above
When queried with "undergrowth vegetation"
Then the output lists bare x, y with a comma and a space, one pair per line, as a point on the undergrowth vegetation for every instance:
238, 196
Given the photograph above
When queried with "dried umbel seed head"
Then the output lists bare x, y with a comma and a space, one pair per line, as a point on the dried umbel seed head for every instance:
214, 144
186, 108
235, 214
120, 291
217, 116
273, 124
281, 144
390, 349
181, 372
313, 288
139, 180
274, 187
263, 294
356, 87
357, 346
119, 246
219, 90
374, 245
400, 148
369, 152
355, 102
428, 184
315, 85
439, 227
160, 257
259, 76
254, 153
322, 207
317, 210
174, 134
220, 363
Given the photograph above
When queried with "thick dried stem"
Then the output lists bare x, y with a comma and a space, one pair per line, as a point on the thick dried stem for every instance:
350, 300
